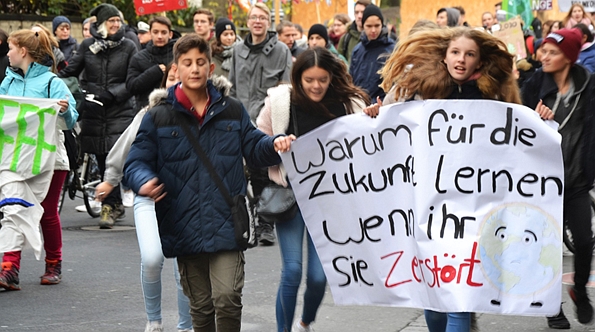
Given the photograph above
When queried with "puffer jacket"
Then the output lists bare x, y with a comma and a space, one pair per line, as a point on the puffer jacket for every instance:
35, 84
144, 74
254, 72
194, 217
104, 71
367, 59
587, 57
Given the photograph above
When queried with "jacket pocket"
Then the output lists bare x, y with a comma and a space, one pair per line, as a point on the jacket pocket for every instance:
228, 138
173, 145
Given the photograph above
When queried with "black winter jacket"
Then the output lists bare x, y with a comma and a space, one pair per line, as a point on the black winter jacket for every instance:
144, 74
104, 71
579, 157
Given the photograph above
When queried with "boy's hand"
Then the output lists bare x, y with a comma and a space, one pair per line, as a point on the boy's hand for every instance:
283, 143
103, 190
153, 190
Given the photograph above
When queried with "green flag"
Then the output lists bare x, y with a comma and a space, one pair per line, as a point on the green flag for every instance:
521, 8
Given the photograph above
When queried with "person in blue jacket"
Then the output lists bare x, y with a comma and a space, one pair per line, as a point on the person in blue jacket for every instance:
32, 74
369, 55
194, 220
586, 57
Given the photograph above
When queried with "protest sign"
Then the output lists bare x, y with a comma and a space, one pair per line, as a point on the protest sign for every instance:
512, 35
27, 153
443, 205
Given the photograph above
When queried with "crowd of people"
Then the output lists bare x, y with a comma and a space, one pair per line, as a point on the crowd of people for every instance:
161, 109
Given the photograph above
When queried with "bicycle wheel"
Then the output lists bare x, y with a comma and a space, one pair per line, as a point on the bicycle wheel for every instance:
91, 180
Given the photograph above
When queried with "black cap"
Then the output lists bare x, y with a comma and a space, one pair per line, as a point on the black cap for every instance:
372, 10
223, 24
103, 12
318, 29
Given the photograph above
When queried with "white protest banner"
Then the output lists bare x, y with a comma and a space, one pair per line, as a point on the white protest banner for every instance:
446, 205
27, 152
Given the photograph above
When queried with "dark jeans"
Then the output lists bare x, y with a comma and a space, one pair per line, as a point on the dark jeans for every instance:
115, 197
577, 213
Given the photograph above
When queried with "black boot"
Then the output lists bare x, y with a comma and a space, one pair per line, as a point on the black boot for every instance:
558, 322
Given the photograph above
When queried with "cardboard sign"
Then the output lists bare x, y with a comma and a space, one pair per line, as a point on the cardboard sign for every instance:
512, 35
445, 205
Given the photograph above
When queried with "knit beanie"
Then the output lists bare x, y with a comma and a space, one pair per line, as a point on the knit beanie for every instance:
568, 40
372, 10
57, 21
103, 12
319, 29
222, 25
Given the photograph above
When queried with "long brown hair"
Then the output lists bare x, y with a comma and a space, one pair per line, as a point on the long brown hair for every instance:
38, 45
341, 88
417, 66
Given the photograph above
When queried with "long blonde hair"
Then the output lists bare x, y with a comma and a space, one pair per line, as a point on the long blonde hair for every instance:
417, 66
38, 45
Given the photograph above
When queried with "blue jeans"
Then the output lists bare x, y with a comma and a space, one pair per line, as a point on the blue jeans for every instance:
151, 262
290, 235
448, 322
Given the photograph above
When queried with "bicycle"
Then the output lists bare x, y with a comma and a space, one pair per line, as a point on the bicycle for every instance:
83, 180
567, 235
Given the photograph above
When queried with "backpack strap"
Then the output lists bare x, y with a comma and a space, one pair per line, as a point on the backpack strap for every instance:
50, 84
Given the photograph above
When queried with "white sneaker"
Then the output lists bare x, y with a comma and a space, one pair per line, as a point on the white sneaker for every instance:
154, 327
298, 327
81, 208
127, 198
186, 330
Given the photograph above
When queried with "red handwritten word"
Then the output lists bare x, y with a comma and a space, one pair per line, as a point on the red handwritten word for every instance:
438, 271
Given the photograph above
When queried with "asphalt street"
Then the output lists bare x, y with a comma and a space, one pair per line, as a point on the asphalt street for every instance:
100, 291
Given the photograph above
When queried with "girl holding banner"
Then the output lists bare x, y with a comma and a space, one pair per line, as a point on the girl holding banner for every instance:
562, 91
32, 74
320, 90
458, 63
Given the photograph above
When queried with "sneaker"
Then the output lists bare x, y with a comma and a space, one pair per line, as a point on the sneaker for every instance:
9, 277
267, 237
81, 208
53, 272
127, 198
119, 212
107, 217
154, 327
298, 327
584, 310
186, 330
558, 322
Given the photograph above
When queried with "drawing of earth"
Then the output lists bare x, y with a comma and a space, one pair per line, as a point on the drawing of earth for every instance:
520, 248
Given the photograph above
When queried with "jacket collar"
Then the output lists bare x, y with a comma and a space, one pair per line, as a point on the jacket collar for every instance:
218, 87
579, 74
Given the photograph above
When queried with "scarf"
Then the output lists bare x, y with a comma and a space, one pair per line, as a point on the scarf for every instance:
102, 44
226, 54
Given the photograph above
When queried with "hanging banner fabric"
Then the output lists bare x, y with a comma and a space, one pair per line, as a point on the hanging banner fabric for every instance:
28, 139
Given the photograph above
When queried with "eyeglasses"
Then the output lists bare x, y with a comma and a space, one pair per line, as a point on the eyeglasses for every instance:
258, 18
115, 21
